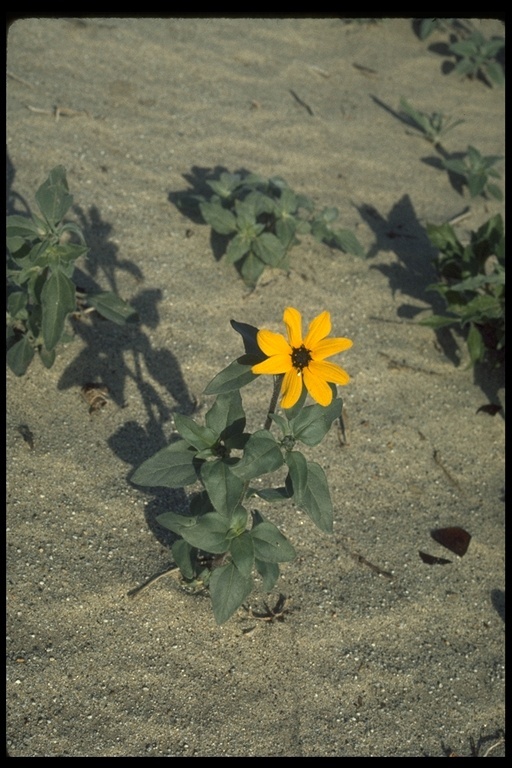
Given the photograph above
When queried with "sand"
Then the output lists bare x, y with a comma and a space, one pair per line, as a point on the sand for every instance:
364, 664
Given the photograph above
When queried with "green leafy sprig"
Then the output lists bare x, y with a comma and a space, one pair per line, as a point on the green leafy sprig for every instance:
473, 287
263, 218
41, 293
476, 169
432, 126
477, 58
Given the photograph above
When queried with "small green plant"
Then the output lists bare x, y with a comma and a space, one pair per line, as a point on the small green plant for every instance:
432, 126
427, 26
473, 287
476, 170
477, 58
262, 219
221, 544
40, 289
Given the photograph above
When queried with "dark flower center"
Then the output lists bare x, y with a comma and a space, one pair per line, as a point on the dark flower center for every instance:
300, 357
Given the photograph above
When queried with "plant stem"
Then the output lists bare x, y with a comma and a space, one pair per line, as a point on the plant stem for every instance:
273, 401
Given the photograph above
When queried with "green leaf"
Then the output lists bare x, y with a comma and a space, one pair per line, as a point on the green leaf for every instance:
249, 334
314, 421
495, 72
476, 184
271, 495
316, 499
242, 553
285, 231
58, 300
226, 417
465, 67
53, 197
479, 281
18, 249
269, 249
443, 238
251, 269
219, 218
35, 258
70, 226
209, 533
464, 47
437, 321
298, 473
288, 202
282, 423
17, 304
171, 467
228, 590
246, 215
269, 572
236, 375
420, 119
223, 487
63, 257
237, 248
194, 434
20, 226
238, 521
261, 455
19, 356
113, 308
185, 558
480, 308
490, 235
494, 191
348, 242
47, 358
493, 47
270, 545
426, 27
176, 523
226, 185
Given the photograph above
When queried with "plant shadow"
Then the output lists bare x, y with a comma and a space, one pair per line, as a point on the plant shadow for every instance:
115, 354
13, 199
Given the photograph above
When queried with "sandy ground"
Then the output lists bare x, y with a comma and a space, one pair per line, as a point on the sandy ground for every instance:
364, 665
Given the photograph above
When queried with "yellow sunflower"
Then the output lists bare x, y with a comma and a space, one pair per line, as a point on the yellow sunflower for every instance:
303, 359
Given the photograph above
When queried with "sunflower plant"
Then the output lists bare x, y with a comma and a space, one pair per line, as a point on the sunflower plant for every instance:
221, 544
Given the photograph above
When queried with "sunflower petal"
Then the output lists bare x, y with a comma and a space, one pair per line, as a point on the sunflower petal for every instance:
293, 321
318, 329
274, 364
328, 372
328, 347
291, 389
317, 387
272, 343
